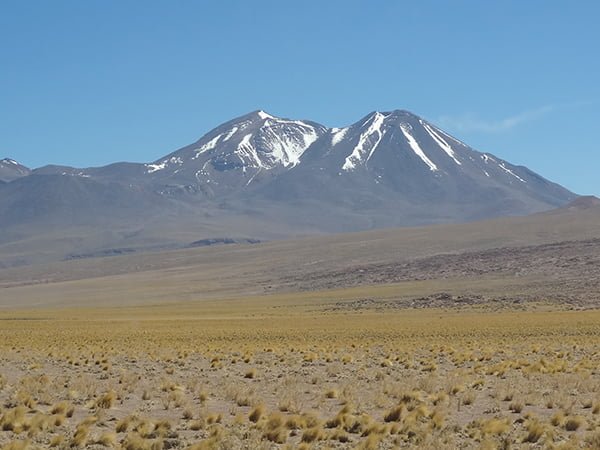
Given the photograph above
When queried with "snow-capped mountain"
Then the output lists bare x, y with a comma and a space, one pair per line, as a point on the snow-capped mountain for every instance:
399, 161
261, 176
238, 153
387, 143
11, 170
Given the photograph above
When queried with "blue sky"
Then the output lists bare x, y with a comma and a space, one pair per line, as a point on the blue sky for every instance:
93, 82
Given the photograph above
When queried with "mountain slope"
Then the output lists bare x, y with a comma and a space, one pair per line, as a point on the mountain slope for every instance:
397, 166
260, 176
11, 170
238, 153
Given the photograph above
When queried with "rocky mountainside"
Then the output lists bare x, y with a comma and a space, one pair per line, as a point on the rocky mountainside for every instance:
11, 170
263, 177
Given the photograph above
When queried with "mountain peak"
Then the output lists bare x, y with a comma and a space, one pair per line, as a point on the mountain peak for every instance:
265, 115
257, 115
11, 170
398, 113
279, 177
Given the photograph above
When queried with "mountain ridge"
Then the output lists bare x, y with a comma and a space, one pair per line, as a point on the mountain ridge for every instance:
263, 177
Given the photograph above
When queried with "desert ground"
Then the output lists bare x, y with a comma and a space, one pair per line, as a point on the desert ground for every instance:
477, 336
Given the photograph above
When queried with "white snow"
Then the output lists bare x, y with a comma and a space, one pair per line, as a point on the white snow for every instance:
208, 146
337, 134
155, 167
453, 138
486, 158
441, 142
358, 153
415, 147
486, 174
253, 177
263, 115
75, 174
507, 170
246, 150
10, 161
229, 134
285, 143
163, 164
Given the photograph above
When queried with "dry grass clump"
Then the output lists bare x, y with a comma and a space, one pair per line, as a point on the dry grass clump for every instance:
574, 423
17, 445
63, 408
395, 414
80, 438
56, 441
473, 383
557, 419
256, 413
123, 424
495, 426
107, 400
332, 393
134, 441
516, 407
593, 441
107, 439
313, 434
535, 430
274, 429
13, 419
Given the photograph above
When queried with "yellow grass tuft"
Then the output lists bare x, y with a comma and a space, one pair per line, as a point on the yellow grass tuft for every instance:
107, 439
256, 413
574, 423
107, 400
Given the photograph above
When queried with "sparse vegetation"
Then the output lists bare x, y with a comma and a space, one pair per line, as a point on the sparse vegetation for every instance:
321, 379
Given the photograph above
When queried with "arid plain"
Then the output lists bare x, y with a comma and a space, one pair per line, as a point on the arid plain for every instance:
482, 335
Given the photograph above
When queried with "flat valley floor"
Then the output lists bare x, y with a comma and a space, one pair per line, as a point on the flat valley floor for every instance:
475, 337
258, 373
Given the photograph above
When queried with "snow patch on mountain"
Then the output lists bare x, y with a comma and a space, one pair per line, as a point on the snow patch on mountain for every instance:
174, 160
230, 133
414, 145
510, 172
441, 142
337, 135
155, 167
373, 133
247, 153
263, 115
210, 145
287, 140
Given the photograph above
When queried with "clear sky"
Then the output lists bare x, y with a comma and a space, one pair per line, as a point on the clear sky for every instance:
87, 83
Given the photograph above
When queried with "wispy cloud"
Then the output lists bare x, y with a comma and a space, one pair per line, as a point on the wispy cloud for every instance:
471, 122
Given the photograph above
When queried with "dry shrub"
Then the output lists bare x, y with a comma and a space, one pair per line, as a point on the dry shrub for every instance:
312, 435
535, 430
574, 423
107, 439
274, 429
256, 413
516, 407
495, 426
107, 400
396, 414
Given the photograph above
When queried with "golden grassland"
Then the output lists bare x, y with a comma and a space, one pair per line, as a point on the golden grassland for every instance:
284, 371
